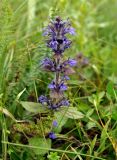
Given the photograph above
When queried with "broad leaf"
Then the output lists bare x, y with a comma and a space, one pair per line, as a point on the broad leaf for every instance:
40, 145
72, 112
33, 107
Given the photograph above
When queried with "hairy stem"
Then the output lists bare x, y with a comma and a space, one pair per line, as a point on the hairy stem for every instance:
57, 74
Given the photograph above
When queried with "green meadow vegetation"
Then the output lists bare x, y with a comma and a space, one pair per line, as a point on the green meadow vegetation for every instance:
87, 129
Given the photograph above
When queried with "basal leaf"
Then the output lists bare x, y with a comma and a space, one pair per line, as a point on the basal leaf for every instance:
43, 145
33, 107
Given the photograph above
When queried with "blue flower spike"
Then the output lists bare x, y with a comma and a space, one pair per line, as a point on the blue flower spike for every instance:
56, 38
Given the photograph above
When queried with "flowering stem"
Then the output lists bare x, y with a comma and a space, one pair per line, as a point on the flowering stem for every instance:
57, 40
57, 75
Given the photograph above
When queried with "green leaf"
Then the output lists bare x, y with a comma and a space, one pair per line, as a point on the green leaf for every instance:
93, 142
104, 136
33, 107
90, 125
61, 120
43, 145
53, 156
95, 99
7, 113
92, 145
114, 112
101, 95
19, 95
110, 89
91, 99
72, 112
90, 112
96, 69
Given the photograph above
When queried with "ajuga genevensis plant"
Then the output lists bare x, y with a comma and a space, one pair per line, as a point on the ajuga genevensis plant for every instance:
56, 39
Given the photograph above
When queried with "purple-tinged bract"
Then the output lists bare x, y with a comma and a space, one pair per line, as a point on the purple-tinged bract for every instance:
82, 60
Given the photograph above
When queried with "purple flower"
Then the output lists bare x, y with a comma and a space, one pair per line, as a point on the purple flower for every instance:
56, 39
63, 102
43, 99
57, 87
70, 30
66, 77
52, 85
55, 123
48, 64
62, 86
66, 44
53, 44
52, 135
59, 45
56, 31
53, 106
72, 62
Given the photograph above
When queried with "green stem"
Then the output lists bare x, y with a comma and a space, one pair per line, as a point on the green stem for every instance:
51, 149
4, 137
